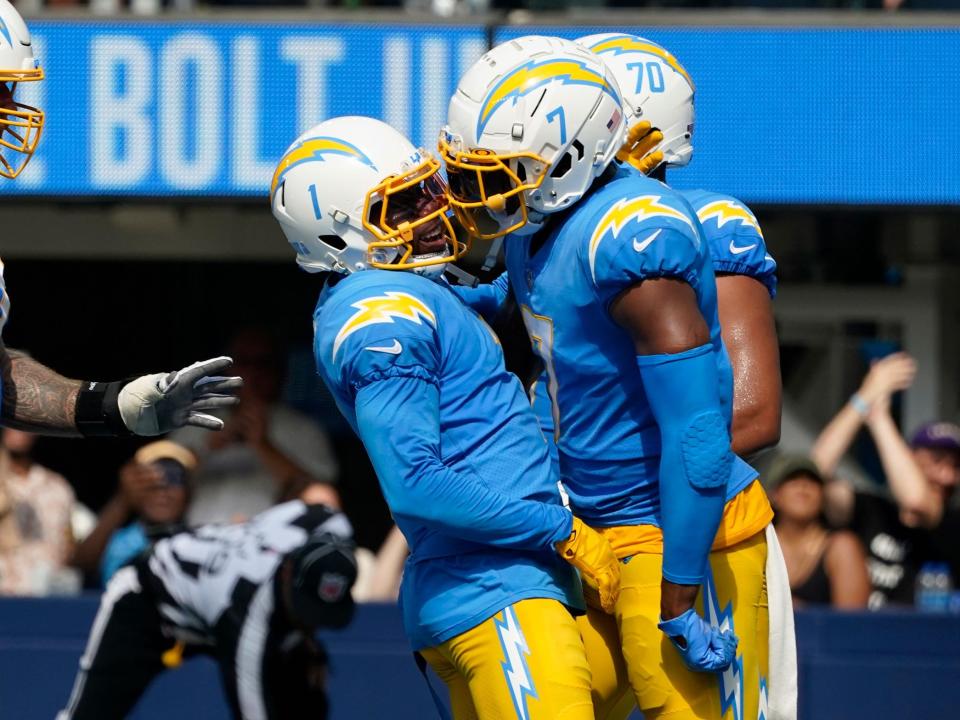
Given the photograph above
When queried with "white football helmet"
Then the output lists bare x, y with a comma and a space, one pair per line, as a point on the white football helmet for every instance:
655, 87
532, 123
20, 125
352, 193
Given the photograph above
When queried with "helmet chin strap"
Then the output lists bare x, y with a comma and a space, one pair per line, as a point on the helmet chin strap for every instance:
534, 222
431, 272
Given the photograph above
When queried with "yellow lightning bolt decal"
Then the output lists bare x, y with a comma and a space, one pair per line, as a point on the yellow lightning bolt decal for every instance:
383, 309
725, 211
625, 210
312, 150
533, 75
631, 43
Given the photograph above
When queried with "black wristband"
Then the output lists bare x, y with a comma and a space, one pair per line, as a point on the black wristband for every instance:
97, 413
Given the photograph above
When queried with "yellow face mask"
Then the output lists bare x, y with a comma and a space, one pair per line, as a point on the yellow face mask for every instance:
483, 186
20, 125
400, 204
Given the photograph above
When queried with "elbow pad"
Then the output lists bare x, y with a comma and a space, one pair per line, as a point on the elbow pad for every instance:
695, 456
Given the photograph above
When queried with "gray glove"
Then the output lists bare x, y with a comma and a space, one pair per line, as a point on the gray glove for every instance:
157, 404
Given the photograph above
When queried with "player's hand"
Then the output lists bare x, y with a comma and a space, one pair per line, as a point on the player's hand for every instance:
590, 553
640, 149
156, 404
703, 647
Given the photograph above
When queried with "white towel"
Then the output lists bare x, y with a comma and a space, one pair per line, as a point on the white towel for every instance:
782, 675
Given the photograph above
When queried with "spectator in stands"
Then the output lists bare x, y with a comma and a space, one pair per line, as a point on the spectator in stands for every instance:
825, 567
266, 451
36, 537
894, 525
150, 503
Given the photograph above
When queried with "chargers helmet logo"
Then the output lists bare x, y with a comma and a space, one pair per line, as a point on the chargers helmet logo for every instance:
632, 44
314, 150
532, 75
5, 33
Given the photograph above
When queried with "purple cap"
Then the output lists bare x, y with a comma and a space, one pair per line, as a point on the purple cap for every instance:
937, 435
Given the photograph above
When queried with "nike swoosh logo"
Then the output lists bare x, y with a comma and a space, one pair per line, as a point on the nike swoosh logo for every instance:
641, 246
737, 250
394, 349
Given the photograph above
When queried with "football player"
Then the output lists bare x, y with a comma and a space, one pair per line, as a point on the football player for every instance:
486, 594
249, 595
658, 95
35, 397
618, 294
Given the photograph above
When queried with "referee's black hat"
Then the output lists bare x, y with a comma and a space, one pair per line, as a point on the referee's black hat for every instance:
323, 572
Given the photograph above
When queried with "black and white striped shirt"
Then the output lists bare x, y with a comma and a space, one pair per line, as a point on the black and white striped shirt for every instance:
212, 575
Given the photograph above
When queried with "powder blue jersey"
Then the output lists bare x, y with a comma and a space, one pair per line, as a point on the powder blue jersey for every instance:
735, 245
631, 229
460, 459
733, 237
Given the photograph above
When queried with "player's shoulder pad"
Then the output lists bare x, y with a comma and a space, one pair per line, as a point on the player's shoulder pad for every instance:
733, 236
639, 229
382, 324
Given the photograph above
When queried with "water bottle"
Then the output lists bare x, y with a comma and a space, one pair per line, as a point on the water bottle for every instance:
933, 588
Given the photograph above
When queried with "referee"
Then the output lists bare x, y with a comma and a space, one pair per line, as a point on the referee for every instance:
248, 595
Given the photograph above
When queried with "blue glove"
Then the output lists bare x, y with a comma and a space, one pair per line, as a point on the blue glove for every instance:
703, 647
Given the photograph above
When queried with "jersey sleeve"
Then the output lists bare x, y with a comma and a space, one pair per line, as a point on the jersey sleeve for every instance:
387, 346
486, 298
735, 240
398, 419
643, 251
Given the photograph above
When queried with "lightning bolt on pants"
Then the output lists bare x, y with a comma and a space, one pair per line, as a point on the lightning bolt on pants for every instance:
525, 662
627, 652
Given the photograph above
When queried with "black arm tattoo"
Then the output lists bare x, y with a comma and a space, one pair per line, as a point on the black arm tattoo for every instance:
36, 398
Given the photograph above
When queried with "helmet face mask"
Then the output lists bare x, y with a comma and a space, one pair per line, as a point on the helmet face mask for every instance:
486, 188
530, 126
352, 193
20, 125
404, 208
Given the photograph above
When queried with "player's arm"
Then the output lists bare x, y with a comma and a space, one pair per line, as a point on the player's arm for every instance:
399, 422
497, 305
38, 399
750, 336
485, 298
680, 377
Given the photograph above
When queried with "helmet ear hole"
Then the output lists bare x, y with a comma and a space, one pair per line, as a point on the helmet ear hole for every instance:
562, 167
283, 194
521, 172
334, 241
578, 146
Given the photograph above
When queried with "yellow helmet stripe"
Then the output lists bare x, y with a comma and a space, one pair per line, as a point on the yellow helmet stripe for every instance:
532, 75
631, 43
313, 150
